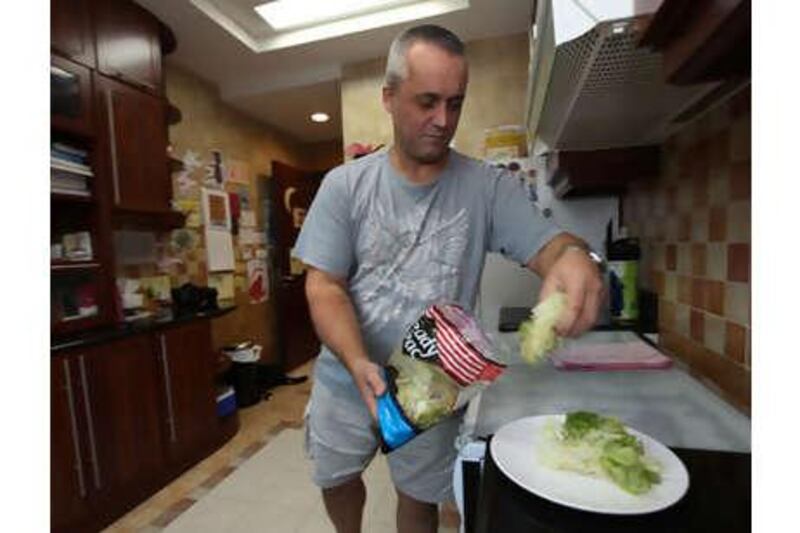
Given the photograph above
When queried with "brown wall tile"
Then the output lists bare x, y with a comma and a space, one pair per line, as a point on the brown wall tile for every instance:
697, 326
735, 342
700, 225
733, 379
738, 262
739, 222
671, 257
717, 223
698, 259
700, 191
698, 292
659, 283
684, 289
740, 181
720, 146
684, 228
714, 297
671, 194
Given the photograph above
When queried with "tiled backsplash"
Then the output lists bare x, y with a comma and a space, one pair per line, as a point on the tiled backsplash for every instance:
694, 225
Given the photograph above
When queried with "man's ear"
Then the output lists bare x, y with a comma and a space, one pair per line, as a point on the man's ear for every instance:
386, 97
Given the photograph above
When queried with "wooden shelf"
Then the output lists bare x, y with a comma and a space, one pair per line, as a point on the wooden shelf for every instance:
61, 265
148, 220
65, 197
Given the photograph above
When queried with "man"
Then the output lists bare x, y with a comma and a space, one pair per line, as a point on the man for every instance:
386, 236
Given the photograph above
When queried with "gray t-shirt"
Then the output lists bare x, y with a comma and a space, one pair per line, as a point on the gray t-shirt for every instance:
403, 246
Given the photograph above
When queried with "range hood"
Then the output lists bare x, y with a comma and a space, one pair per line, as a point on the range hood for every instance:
591, 87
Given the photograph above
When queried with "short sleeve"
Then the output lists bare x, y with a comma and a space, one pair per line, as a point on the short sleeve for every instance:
519, 230
325, 241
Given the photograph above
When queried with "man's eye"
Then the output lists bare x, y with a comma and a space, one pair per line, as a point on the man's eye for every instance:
455, 105
427, 103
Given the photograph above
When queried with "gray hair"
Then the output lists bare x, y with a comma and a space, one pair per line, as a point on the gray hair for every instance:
396, 65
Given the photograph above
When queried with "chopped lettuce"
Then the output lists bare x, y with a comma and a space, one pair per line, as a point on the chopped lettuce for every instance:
537, 334
592, 444
425, 392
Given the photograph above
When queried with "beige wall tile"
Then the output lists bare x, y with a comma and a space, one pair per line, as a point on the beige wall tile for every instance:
682, 319
684, 259
670, 286
717, 261
739, 222
737, 302
714, 333
718, 192
700, 225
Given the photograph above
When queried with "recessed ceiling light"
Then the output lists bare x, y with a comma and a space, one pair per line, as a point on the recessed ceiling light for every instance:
290, 14
320, 117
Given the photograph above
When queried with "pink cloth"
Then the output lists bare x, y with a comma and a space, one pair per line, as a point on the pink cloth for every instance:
634, 355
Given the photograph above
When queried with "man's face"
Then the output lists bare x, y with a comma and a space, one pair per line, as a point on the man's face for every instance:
426, 106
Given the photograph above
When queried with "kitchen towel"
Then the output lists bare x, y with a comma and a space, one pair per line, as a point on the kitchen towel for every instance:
634, 355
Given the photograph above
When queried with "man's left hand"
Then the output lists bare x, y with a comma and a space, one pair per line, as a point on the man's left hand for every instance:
576, 275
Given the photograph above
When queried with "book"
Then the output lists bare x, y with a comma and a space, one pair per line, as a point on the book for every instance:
69, 166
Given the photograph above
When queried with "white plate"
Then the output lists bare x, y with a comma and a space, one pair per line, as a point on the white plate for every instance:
514, 450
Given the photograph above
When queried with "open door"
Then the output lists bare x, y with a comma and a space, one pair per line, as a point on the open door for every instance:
291, 193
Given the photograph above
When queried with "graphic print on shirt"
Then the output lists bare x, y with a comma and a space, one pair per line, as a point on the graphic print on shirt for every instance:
409, 261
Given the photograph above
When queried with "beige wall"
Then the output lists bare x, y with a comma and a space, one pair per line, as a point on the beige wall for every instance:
495, 95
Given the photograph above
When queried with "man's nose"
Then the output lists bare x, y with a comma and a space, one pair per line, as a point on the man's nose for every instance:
440, 115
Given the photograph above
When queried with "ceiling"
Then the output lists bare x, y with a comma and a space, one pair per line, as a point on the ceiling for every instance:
279, 79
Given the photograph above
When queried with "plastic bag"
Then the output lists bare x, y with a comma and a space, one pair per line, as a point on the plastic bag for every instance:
443, 361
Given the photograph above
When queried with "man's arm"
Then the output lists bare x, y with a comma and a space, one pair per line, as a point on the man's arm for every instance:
337, 327
571, 271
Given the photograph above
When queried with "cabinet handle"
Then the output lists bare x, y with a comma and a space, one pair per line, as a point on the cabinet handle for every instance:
90, 423
112, 132
74, 429
173, 434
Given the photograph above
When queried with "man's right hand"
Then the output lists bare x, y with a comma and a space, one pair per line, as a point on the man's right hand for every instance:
369, 380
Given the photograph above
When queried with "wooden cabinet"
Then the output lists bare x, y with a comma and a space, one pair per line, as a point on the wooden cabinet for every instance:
71, 30
69, 476
128, 46
135, 133
128, 416
124, 415
580, 173
701, 41
187, 362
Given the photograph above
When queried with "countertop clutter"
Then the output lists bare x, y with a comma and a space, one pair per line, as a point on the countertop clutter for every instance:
137, 327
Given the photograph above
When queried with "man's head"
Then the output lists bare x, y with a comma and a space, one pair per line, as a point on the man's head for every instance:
426, 79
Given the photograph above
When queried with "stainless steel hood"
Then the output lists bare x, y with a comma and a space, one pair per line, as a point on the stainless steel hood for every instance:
591, 87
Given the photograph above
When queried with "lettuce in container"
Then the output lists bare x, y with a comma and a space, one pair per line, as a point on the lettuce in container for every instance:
443, 361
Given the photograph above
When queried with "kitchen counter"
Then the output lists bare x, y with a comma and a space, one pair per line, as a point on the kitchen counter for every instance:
138, 327
669, 405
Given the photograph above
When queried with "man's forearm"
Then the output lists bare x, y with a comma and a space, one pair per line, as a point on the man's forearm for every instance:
335, 319
550, 253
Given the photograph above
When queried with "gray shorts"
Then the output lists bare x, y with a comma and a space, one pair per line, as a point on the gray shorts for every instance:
342, 438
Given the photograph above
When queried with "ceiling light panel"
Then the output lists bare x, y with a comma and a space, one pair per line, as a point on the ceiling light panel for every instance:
293, 14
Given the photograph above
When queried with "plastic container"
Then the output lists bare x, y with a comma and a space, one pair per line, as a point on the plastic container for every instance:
226, 402
244, 372
623, 270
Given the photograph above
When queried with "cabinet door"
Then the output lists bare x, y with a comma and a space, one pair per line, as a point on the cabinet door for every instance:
68, 475
188, 366
70, 96
137, 146
127, 43
120, 384
71, 32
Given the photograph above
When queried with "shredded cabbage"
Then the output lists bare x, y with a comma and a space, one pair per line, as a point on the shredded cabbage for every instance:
537, 334
425, 392
595, 445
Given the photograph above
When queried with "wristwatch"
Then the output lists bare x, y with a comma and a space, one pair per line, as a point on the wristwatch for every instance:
595, 257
